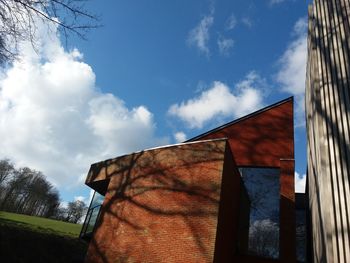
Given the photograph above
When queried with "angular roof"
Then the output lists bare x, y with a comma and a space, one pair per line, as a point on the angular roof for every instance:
241, 119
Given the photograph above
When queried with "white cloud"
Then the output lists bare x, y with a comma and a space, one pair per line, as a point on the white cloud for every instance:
220, 101
199, 36
247, 21
300, 182
118, 127
300, 27
79, 198
292, 71
293, 61
274, 2
63, 204
54, 119
225, 45
231, 22
180, 136
91, 195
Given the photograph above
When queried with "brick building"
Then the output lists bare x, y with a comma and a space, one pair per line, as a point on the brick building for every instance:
224, 196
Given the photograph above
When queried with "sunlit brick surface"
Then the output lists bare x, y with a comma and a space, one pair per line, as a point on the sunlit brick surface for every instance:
161, 205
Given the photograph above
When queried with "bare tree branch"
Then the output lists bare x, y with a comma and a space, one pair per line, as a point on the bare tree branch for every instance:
19, 22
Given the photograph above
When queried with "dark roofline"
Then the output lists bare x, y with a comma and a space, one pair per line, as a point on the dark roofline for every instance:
242, 118
158, 147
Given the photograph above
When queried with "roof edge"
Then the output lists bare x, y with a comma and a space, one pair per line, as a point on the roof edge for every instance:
276, 104
161, 147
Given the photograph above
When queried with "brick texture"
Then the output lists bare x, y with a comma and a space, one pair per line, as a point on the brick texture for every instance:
162, 205
181, 203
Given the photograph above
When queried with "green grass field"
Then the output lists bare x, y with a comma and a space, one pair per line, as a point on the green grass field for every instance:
34, 239
40, 224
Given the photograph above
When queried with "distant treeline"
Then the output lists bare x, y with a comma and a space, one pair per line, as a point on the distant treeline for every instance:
26, 191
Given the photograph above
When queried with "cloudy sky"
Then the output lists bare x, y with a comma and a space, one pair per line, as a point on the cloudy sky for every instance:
158, 72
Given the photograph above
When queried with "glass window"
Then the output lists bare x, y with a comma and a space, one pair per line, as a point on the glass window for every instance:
300, 219
92, 215
262, 187
97, 200
92, 218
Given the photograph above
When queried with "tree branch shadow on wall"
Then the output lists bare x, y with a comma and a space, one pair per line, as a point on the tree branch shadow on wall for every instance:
335, 85
144, 179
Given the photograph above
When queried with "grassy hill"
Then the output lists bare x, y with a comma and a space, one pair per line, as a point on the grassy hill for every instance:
33, 239
40, 224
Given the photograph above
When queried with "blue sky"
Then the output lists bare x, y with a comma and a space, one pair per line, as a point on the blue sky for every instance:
157, 72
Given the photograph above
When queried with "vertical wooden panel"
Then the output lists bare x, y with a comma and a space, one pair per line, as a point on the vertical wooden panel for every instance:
327, 108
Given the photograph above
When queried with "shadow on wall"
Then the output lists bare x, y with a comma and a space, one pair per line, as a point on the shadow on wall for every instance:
161, 204
181, 203
329, 102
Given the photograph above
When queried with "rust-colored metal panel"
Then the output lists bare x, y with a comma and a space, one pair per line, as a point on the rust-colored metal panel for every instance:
261, 139
266, 139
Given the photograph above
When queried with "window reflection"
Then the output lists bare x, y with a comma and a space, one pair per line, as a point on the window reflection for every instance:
92, 216
97, 199
263, 189
300, 214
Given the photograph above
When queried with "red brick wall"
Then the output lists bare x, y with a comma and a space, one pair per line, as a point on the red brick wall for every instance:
227, 231
162, 205
287, 218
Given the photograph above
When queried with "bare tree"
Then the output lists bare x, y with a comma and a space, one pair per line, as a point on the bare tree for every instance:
27, 191
60, 213
6, 169
264, 238
16, 184
19, 21
75, 211
52, 204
